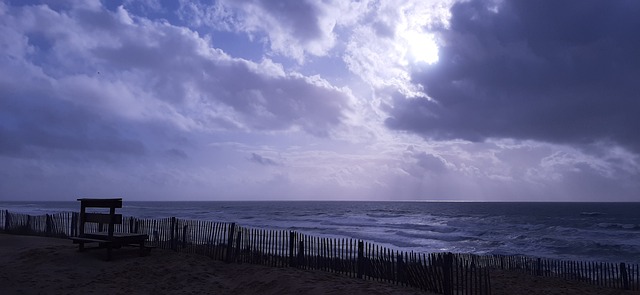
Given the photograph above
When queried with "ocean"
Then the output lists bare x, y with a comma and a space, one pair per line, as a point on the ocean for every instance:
604, 232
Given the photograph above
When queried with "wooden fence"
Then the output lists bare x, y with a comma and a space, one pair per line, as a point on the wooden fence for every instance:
443, 273
613, 275
52, 225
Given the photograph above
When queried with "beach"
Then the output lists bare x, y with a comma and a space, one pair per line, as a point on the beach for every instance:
565, 231
39, 265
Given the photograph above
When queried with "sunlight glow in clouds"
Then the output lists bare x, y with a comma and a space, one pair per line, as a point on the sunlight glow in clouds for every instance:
319, 99
422, 47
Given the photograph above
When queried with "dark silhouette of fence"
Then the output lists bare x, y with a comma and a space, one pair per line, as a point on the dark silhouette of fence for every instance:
51, 225
613, 275
444, 273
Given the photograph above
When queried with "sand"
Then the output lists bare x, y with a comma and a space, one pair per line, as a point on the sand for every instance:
509, 282
38, 265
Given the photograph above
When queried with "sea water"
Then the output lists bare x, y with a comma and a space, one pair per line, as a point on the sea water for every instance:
605, 232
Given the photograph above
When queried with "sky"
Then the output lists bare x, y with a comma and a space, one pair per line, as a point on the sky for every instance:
478, 100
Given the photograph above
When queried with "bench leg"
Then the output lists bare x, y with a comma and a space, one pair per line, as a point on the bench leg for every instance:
80, 247
144, 251
109, 250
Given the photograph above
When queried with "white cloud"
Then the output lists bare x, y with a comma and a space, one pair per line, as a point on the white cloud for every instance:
151, 70
293, 28
380, 47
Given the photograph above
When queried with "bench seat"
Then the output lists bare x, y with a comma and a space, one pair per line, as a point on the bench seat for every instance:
78, 240
118, 237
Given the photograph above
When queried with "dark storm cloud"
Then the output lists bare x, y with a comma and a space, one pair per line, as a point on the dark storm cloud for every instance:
554, 71
28, 122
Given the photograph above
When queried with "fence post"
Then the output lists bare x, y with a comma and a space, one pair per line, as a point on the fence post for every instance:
301, 254
174, 229
292, 237
28, 226
624, 277
156, 237
539, 267
184, 236
73, 231
487, 281
360, 259
447, 282
238, 249
48, 224
7, 220
400, 278
230, 242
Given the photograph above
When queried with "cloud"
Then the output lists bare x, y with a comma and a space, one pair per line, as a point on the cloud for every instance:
553, 72
177, 153
86, 78
422, 164
430, 162
31, 121
263, 160
379, 44
292, 28
101, 100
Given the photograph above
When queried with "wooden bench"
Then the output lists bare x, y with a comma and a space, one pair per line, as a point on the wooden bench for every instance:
108, 239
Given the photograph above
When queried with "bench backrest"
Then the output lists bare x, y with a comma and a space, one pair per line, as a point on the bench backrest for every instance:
100, 218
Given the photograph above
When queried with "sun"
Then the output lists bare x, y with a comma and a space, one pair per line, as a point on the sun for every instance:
421, 47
